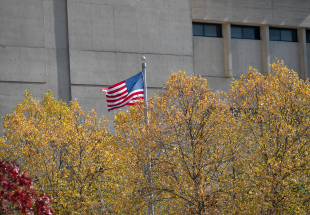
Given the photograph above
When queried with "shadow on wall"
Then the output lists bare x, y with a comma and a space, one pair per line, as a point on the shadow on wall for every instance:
62, 50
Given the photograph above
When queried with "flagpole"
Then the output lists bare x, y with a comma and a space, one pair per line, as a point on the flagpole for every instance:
149, 165
144, 87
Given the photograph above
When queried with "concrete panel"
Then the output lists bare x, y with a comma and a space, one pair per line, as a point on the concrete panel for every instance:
10, 61
22, 64
270, 12
219, 84
209, 56
103, 37
288, 52
172, 4
93, 67
18, 90
21, 23
79, 24
246, 53
159, 67
188, 65
55, 24
90, 97
13, 93
9, 23
107, 68
165, 31
170, 32
32, 65
150, 4
57, 70
148, 22
186, 5
126, 28
138, 27
92, 1
31, 23
185, 29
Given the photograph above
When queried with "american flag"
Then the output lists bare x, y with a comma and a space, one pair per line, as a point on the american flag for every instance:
124, 92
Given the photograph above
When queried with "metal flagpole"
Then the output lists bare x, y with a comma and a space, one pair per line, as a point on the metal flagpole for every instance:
149, 165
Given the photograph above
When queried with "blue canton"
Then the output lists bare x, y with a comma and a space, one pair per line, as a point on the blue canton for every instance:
135, 82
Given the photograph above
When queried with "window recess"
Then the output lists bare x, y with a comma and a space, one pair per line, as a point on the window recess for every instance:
283, 34
207, 30
245, 32
308, 36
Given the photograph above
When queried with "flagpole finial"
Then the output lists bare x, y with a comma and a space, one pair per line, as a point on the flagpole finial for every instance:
143, 63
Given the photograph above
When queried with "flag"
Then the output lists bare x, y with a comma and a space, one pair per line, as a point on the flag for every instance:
124, 92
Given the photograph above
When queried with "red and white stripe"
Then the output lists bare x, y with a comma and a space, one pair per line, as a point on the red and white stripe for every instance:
117, 95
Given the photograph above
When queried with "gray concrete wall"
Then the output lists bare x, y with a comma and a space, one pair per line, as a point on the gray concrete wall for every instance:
107, 39
266, 12
209, 56
33, 50
246, 53
76, 47
234, 56
286, 51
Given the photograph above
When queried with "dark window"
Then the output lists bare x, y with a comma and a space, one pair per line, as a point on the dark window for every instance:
248, 33
245, 32
283, 34
274, 34
308, 36
210, 30
198, 29
207, 30
236, 32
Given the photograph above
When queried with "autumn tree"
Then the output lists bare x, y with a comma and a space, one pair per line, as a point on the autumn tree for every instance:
200, 152
273, 123
16, 193
70, 154
188, 143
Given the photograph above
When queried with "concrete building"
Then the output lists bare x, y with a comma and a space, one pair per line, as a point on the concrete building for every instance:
76, 47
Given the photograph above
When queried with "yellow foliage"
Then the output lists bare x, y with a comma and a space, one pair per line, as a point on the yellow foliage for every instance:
187, 142
70, 154
201, 152
274, 130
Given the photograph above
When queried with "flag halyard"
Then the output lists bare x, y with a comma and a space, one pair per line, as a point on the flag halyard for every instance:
125, 92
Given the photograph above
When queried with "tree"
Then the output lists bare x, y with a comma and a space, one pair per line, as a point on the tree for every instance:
200, 153
272, 116
70, 154
16, 193
188, 143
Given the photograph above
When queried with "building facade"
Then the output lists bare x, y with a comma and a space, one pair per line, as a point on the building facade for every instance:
76, 47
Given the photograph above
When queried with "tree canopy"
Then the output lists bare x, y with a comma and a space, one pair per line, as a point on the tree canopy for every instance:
202, 152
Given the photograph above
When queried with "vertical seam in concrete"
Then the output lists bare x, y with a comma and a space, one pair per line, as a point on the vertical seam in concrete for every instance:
193, 50
303, 53
91, 28
20, 39
46, 75
264, 32
68, 50
91, 36
227, 50
114, 28
20, 33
